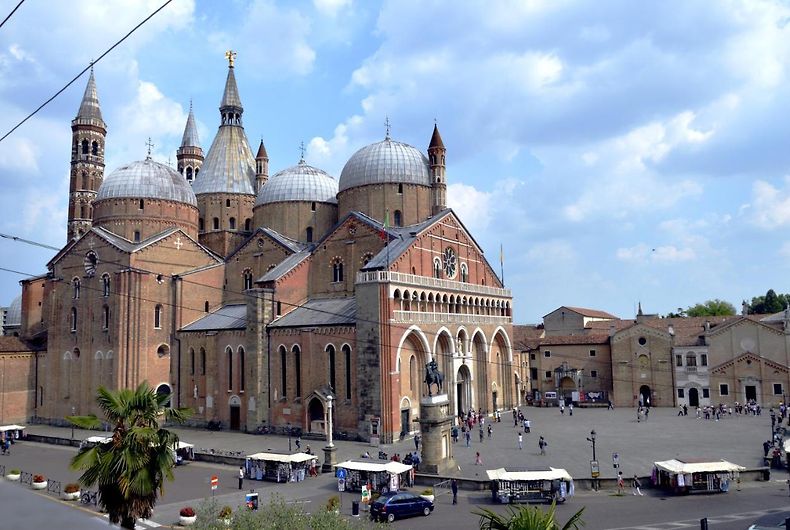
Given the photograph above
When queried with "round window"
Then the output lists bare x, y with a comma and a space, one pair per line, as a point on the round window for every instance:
642, 341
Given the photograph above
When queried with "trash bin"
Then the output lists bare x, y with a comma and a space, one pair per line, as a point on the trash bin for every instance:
767, 474
355, 508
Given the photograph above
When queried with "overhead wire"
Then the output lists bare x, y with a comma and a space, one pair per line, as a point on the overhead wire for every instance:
11, 13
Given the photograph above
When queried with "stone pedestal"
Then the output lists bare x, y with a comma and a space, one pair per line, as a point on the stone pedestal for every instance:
330, 459
435, 424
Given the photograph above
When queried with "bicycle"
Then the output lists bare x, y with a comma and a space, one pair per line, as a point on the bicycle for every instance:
90, 497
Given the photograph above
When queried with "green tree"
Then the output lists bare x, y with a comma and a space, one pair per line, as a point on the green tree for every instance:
769, 303
526, 518
711, 308
131, 468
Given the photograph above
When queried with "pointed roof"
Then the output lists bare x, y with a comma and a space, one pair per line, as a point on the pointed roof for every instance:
190, 138
230, 98
89, 107
436, 138
262, 151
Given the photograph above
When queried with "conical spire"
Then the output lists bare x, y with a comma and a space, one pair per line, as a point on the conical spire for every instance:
89, 108
231, 96
262, 151
436, 138
190, 138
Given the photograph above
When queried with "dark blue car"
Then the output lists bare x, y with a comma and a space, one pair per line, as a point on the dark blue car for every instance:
394, 505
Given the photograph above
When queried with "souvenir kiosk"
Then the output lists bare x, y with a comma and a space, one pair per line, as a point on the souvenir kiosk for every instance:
184, 452
383, 476
13, 432
280, 467
524, 485
90, 441
695, 476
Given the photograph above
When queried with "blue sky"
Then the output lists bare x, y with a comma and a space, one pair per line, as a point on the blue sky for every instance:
620, 151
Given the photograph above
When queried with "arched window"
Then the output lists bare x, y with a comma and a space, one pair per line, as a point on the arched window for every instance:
189, 174
201, 224
347, 355
312, 206
105, 283
75, 284
437, 268
242, 381
95, 148
330, 350
158, 316
142, 205
192, 361
75, 353
691, 359
215, 223
398, 219
229, 355
400, 189
73, 319
298, 369
247, 224
85, 182
232, 223
283, 372
205, 307
83, 211
247, 279
163, 350
337, 269
136, 236
85, 147
202, 361
309, 234
105, 317
227, 203
413, 373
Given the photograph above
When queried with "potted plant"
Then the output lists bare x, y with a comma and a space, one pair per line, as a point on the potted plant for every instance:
225, 515
187, 516
14, 474
39, 482
427, 494
333, 504
71, 492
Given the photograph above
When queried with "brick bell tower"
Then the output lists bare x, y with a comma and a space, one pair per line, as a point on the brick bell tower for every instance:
88, 133
436, 154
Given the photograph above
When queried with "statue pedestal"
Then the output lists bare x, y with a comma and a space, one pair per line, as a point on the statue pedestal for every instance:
435, 424
330, 459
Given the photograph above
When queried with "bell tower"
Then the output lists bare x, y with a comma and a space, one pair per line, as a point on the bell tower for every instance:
436, 154
261, 167
88, 133
190, 155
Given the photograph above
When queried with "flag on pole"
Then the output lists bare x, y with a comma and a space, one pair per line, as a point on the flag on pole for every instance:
386, 224
502, 263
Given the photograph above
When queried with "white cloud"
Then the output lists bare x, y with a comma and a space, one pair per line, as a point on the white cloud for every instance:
784, 250
553, 252
474, 207
642, 253
770, 206
331, 7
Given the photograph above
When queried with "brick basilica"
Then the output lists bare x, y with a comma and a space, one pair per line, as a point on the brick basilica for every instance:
257, 299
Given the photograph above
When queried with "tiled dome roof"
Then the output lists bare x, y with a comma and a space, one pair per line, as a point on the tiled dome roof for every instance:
385, 161
146, 179
298, 183
14, 315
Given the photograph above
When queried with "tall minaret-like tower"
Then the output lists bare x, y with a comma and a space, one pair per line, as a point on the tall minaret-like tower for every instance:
190, 154
436, 153
261, 167
88, 133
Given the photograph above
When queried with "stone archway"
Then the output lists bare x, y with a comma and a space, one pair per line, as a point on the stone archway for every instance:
480, 354
645, 396
693, 397
315, 416
567, 388
463, 390
413, 354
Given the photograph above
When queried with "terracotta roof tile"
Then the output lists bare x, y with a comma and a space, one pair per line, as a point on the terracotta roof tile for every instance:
590, 312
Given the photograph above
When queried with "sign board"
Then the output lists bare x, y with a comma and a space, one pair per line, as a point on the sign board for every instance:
251, 500
365, 494
214, 482
615, 460
595, 472
341, 484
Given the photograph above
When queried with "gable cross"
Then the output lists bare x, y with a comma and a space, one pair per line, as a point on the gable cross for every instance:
150, 145
179, 243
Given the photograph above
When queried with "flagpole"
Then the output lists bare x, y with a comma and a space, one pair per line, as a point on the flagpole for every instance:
501, 264
387, 236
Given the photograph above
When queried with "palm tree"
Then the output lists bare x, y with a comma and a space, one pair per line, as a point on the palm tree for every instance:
130, 469
526, 518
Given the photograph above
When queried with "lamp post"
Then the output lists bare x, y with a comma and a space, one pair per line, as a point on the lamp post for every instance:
73, 412
329, 413
594, 463
289, 436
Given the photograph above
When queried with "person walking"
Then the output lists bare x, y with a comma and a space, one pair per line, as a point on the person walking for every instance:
478, 459
542, 444
521, 444
241, 477
562, 407
480, 430
635, 485
454, 487
490, 431
526, 426
417, 440
570, 409
299, 443
468, 438
680, 410
620, 483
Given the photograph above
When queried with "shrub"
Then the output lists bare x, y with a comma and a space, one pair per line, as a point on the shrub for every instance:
333, 503
71, 488
427, 491
14, 472
225, 512
39, 478
187, 511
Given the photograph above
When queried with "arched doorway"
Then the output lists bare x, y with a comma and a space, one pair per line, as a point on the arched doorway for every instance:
405, 416
567, 388
315, 416
463, 389
644, 396
235, 413
693, 397
494, 396
161, 390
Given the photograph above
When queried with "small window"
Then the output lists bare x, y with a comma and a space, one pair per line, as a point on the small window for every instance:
201, 224
592, 353
547, 354
678, 360
691, 359
189, 174
724, 389
95, 148
437, 268
681, 393
337, 270
706, 392
703, 359
191, 361
398, 218
75, 284
247, 279
73, 319
105, 317
548, 374
533, 374
105, 280
312, 206
215, 222
85, 147
202, 361
400, 189
163, 350
593, 373
778, 391
227, 203
136, 236
464, 273
205, 307
532, 357
279, 308
142, 204
232, 223
158, 317
309, 234
642, 341
247, 224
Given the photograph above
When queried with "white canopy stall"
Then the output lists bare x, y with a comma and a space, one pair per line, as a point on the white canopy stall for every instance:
184, 452
389, 476
95, 440
526, 485
695, 476
280, 467
13, 432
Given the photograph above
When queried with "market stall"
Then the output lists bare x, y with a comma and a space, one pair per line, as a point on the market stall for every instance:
13, 432
523, 485
280, 467
90, 441
184, 452
695, 476
383, 476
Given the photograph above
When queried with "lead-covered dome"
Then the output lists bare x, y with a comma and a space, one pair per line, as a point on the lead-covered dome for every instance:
301, 182
387, 161
146, 179
13, 317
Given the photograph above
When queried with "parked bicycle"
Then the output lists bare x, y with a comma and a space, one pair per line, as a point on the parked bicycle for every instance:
90, 497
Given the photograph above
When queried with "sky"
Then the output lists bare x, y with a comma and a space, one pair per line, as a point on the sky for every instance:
619, 152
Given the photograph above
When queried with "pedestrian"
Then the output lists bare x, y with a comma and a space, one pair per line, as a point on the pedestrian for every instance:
478, 459
542, 444
417, 440
570, 409
635, 485
7, 446
562, 407
526, 426
766, 448
454, 432
647, 411
454, 487
620, 483
680, 411
490, 431
788, 484
481, 432
468, 438
298, 443
686, 410
241, 477
611, 406
521, 445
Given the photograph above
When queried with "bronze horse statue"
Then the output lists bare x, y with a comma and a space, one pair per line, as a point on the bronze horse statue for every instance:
433, 376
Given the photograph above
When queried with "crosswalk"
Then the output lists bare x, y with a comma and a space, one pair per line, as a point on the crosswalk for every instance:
694, 523
142, 523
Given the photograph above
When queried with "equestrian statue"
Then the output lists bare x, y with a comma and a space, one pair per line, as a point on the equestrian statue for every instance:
433, 375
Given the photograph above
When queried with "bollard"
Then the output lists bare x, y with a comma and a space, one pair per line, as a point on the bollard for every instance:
703, 523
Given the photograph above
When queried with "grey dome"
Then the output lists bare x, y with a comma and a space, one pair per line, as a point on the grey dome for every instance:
14, 316
298, 183
385, 161
146, 179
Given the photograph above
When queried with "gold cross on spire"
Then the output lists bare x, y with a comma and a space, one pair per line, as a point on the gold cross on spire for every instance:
150, 145
230, 55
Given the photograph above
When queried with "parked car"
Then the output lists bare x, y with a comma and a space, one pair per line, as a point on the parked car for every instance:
394, 505
770, 521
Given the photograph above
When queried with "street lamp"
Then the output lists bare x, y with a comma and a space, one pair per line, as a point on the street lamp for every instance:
592, 439
73, 412
594, 463
289, 436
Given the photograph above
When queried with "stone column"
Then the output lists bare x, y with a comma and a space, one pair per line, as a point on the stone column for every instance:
330, 451
435, 424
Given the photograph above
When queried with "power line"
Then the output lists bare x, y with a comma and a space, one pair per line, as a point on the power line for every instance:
11, 13
111, 48
29, 242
